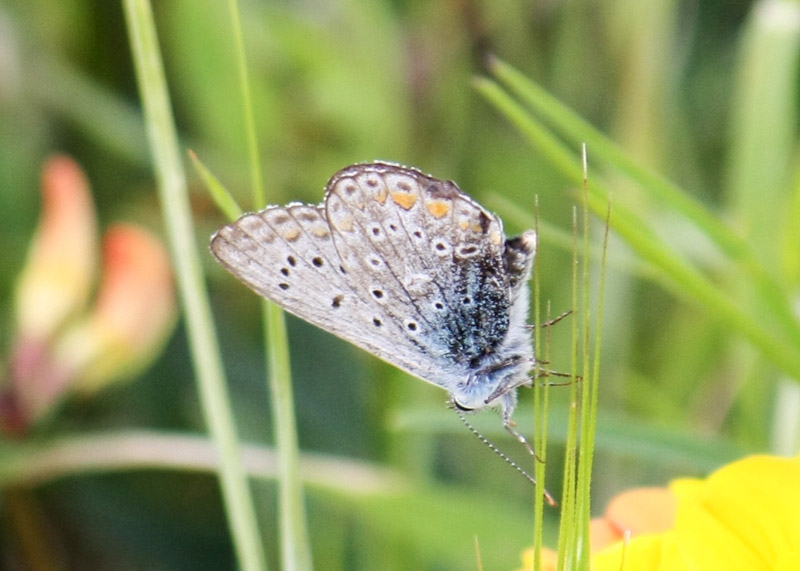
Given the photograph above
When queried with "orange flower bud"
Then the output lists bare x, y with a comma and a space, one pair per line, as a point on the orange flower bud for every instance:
135, 311
57, 277
58, 350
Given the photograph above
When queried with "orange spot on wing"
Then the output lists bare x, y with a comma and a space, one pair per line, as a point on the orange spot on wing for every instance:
291, 235
439, 208
405, 200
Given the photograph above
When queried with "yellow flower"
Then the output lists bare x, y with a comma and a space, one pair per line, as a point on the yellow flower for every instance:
623, 515
549, 560
635, 512
745, 516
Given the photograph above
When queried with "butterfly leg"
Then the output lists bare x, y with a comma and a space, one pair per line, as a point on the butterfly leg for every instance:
553, 321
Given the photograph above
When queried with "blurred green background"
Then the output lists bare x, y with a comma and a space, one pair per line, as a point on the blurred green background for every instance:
339, 82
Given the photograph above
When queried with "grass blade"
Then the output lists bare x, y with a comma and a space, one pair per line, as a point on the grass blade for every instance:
294, 540
202, 336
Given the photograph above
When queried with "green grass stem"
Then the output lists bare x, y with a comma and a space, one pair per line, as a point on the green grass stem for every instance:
203, 344
294, 540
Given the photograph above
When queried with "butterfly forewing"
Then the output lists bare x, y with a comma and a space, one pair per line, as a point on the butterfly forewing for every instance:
436, 252
287, 255
374, 232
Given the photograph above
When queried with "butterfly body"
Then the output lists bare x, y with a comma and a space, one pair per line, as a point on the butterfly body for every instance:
405, 266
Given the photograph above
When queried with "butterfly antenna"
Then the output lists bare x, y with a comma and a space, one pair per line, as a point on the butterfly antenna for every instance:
503, 455
509, 425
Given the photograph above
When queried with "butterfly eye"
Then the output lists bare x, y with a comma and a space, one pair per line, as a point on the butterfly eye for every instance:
461, 407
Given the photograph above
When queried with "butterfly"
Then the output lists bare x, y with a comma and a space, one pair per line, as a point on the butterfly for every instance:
404, 266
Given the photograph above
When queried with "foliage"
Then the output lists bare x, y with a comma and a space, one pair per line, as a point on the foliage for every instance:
701, 337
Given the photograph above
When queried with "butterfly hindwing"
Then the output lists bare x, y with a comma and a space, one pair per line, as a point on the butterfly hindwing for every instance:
287, 255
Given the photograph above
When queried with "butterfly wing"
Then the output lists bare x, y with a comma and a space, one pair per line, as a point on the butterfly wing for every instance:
288, 256
403, 265
434, 256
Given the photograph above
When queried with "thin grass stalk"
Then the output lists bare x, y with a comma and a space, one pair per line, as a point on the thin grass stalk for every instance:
567, 538
203, 344
591, 387
295, 543
294, 538
540, 406
253, 153
542, 410
584, 474
219, 194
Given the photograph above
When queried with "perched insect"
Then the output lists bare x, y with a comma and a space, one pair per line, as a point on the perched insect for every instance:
406, 267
